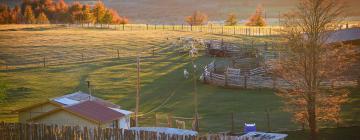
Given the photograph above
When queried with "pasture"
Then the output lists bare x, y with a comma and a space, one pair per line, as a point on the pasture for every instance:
107, 58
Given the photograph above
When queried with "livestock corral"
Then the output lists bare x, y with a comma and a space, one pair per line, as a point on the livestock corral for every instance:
251, 67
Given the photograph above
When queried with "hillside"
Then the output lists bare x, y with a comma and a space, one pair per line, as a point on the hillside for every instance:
174, 11
74, 56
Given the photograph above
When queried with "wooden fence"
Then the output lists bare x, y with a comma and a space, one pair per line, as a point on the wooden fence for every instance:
214, 29
18, 131
259, 78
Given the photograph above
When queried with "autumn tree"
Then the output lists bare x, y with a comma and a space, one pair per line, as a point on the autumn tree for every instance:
309, 60
29, 15
108, 17
116, 19
123, 20
16, 16
87, 15
76, 14
197, 18
5, 12
42, 19
99, 12
62, 14
231, 20
257, 18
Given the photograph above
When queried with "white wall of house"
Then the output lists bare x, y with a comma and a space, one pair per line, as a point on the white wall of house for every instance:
124, 122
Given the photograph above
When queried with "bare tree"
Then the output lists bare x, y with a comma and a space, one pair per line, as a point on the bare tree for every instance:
310, 61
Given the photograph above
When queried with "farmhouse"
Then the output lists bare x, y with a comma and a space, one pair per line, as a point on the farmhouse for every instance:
76, 109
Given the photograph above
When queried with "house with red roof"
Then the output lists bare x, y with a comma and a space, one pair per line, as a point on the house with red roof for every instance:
76, 109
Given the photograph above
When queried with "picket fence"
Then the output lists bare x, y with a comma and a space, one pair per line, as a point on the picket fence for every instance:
18, 131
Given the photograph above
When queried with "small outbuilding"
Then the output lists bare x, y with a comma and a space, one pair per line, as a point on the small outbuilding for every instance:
76, 109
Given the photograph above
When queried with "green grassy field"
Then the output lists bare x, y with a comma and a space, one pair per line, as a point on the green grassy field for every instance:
76, 55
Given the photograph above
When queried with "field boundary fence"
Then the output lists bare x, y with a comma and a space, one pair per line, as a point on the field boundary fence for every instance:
213, 29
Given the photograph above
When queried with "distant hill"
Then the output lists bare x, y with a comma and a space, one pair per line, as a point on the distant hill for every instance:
174, 11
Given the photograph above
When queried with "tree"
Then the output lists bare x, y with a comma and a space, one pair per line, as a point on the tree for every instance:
75, 11
42, 19
197, 18
29, 16
115, 16
5, 12
231, 20
16, 15
123, 20
108, 18
62, 14
99, 12
309, 61
257, 18
87, 15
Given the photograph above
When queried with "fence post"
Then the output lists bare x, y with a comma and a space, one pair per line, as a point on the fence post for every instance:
173, 27
245, 81
274, 82
156, 121
155, 26
222, 29
118, 53
226, 77
234, 30
147, 26
191, 27
123, 27
163, 27
182, 27
44, 62
169, 120
153, 50
268, 119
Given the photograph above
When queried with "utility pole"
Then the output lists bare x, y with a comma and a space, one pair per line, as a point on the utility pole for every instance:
137, 92
88, 84
195, 97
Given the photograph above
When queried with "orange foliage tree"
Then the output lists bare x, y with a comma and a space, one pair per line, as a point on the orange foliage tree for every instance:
310, 60
197, 18
58, 12
257, 18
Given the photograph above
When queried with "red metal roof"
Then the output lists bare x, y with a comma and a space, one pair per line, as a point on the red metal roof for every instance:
94, 111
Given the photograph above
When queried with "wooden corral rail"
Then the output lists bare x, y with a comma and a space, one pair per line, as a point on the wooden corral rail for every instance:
18, 131
258, 78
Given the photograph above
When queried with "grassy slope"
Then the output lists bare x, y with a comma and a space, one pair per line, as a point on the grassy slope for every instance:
114, 79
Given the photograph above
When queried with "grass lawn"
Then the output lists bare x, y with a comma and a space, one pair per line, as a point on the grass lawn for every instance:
77, 55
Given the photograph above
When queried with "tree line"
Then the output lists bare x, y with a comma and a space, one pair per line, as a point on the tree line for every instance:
47, 11
256, 19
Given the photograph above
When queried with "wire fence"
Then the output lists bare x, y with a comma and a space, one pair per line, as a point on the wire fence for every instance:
213, 29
